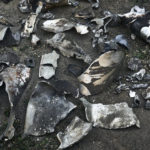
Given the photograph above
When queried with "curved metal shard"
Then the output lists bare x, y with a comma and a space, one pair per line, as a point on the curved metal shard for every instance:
100, 72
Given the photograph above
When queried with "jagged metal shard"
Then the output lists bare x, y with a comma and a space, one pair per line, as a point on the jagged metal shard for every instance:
29, 25
45, 109
57, 25
100, 72
134, 64
68, 48
14, 77
74, 132
140, 86
139, 75
121, 87
113, 116
35, 39
48, 65
24, 6
7, 38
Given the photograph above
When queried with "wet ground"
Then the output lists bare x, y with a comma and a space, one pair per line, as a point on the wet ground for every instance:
98, 139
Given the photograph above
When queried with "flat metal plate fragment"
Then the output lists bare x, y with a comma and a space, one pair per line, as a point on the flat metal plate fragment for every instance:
29, 25
100, 72
14, 77
113, 116
48, 65
68, 48
74, 132
45, 109
57, 25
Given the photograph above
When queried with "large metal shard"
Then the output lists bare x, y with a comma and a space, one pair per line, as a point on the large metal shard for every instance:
100, 72
45, 109
74, 132
68, 48
14, 77
113, 116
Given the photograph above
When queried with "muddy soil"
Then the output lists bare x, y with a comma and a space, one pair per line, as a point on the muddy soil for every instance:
98, 139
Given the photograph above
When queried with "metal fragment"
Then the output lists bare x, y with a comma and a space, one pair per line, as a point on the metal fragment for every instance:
48, 65
101, 71
121, 87
74, 132
45, 109
68, 48
29, 25
140, 86
113, 116
14, 77
139, 75
134, 64
82, 29
35, 39
57, 25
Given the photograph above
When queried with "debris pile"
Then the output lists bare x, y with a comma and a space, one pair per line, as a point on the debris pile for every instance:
50, 101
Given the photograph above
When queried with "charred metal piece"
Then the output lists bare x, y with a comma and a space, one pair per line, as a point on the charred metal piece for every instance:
48, 15
136, 101
68, 48
121, 40
35, 39
139, 75
45, 109
74, 132
121, 87
48, 65
29, 25
7, 38
75, 70
14, 77
23, 6
101, 72
140, 86
134, 64
9, 58
65, 87
30, 62
113, 116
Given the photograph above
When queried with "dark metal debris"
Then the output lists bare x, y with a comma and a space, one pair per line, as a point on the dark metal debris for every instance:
45, 109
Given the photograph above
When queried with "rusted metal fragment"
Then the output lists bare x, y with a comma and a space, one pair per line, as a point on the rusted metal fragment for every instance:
101, 71
45, 109
113, 116
14, 78
68, 48
74, 132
